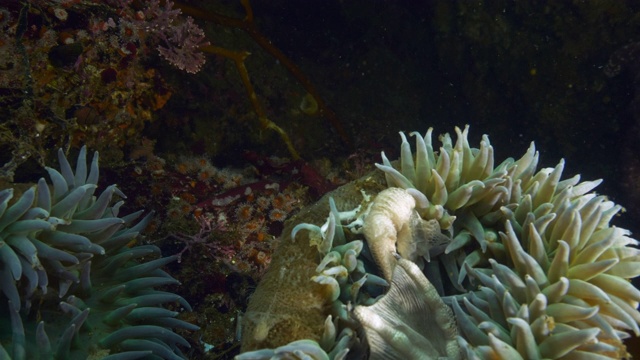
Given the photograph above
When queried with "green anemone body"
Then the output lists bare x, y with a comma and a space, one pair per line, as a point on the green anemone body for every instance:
73, 285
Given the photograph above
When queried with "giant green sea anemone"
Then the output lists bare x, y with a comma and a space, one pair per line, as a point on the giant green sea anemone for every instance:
506, 262
73, 282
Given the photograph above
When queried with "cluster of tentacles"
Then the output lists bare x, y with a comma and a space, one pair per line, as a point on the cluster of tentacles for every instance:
527, 264
534, 268
74, 283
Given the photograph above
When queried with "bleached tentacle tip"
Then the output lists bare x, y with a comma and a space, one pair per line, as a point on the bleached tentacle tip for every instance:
304, 226
256, 355
334, 286
376, 281
384, 168
421, 199
332, 258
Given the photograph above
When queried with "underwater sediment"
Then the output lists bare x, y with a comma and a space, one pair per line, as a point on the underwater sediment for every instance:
511, 261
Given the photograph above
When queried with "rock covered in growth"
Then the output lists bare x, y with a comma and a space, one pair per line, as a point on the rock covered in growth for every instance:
287, 305
65, 249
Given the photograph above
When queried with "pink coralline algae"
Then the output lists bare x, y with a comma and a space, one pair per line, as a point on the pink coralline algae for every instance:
179, 43
182, 51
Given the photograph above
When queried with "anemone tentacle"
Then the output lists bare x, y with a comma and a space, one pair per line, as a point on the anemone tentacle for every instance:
63, 247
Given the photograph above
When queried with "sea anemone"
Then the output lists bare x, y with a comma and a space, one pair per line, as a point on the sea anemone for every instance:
528, 263
65, 253
244, 212
277, 215
548, 277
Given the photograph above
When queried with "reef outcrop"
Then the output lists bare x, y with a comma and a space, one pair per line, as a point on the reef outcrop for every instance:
287, 305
